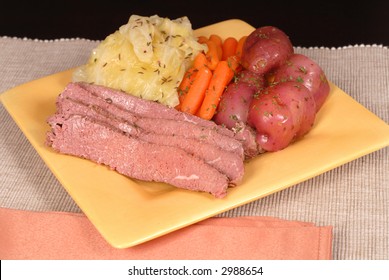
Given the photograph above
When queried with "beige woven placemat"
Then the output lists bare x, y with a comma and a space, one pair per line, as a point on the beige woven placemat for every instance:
354, 198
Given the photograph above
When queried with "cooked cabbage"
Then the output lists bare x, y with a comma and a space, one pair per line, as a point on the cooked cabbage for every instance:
147, 57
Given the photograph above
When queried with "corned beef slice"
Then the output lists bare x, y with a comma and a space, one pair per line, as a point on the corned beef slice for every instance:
146, 108
226, 162
82, 137
155, 122
145, 140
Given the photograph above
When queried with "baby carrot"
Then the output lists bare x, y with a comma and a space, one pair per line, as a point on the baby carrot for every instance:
239, 47
196, 93
216, 38
202, 39
221, 77
219, 44
185, 85
200, 61
212, 54
229, 47
234, 63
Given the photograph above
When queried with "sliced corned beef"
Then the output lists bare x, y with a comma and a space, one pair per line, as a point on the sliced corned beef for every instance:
147, 108
228, 163
175, 124
146, 140
82, 137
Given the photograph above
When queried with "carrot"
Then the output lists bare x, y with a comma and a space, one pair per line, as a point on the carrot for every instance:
196, 93
212, 54
185, 85
202, 39
234, 63
221, 77
200, 61
189, 77
216, 38
239, 47
219, 44
229, 47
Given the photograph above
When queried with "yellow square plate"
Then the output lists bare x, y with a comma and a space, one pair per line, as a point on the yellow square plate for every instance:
128, 212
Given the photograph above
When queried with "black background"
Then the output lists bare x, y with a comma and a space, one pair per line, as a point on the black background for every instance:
308, 23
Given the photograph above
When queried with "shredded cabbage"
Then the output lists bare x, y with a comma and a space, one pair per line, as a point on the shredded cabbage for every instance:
147, 57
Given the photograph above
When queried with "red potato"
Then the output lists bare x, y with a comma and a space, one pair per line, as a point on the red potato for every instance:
235, 101
234, 104
302, 106
273, 123
265, 48
303, 69
254, 80
281, 114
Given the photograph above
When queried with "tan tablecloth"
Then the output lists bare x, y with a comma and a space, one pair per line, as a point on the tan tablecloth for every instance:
353, 198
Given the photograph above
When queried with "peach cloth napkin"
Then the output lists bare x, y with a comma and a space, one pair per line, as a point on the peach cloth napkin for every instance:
60, 235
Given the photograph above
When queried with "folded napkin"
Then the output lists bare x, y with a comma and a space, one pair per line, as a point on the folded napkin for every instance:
59, 235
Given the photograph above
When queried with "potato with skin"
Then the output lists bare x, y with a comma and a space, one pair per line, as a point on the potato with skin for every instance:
276, 95
265, 49
233, 106
254, 80
302, 106
236, 99
306, 71
281, 114
273, 123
